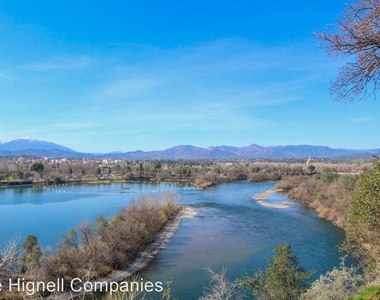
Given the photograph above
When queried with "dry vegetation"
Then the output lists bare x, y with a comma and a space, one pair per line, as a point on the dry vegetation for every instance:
328, 193
91, 252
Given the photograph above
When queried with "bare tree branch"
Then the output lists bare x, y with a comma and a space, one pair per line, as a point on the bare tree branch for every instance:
221, 288
8, 257
356, 39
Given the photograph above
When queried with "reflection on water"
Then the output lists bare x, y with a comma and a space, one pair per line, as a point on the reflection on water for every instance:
231, 229
49, 212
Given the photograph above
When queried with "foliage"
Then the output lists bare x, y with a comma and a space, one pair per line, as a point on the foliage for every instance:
357, 38
328, 174
31, 253
284, 279
311, 168
167, 293
337, 284
157, 164
17, 175
363, 226
368, 293
38, 167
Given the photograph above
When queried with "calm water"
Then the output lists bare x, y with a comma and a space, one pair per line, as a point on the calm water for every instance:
230, 230
52, 211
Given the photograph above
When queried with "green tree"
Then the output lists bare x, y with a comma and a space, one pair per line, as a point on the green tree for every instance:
369, 293
32, 252
157, 165
311, 169
328, 174
17, 175
101, 226
348, 182
70, 240
38, 167
363, 221
284, 279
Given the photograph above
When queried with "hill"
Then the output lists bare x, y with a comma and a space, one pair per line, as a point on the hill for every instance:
38, 148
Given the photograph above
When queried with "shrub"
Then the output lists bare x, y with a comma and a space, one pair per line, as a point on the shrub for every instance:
337, 284
284, 279
369, 293
38, 167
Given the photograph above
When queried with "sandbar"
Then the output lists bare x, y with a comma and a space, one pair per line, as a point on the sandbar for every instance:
262, 196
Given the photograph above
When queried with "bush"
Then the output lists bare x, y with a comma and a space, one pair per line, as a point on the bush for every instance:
38, 167
284, 279
369, 293
328, 174
337, 284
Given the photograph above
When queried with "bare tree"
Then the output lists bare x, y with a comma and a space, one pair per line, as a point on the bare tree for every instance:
221, 288
357, 39
8, 257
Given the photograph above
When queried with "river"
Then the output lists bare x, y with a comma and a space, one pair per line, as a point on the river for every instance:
231, 229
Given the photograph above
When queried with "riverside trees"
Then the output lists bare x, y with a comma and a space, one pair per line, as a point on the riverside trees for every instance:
363, 225
92, 251
112, 243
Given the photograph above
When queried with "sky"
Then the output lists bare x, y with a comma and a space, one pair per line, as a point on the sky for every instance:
102, 76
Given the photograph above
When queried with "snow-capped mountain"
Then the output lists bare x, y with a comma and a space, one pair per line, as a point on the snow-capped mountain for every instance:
34, 147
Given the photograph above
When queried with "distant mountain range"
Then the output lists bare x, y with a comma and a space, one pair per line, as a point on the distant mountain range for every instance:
37, 148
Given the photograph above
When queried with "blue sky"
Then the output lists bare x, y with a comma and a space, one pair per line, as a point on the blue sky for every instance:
100, 76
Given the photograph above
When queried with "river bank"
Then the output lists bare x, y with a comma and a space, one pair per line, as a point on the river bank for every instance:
150, 251
15, 183
209, 239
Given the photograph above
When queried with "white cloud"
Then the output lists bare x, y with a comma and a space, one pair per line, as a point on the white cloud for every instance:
57, 64
127, 87
73, 125
361, 120
222, 71
216, 86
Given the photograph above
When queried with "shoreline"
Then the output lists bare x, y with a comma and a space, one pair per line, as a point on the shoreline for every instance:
261, 197
146, 256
